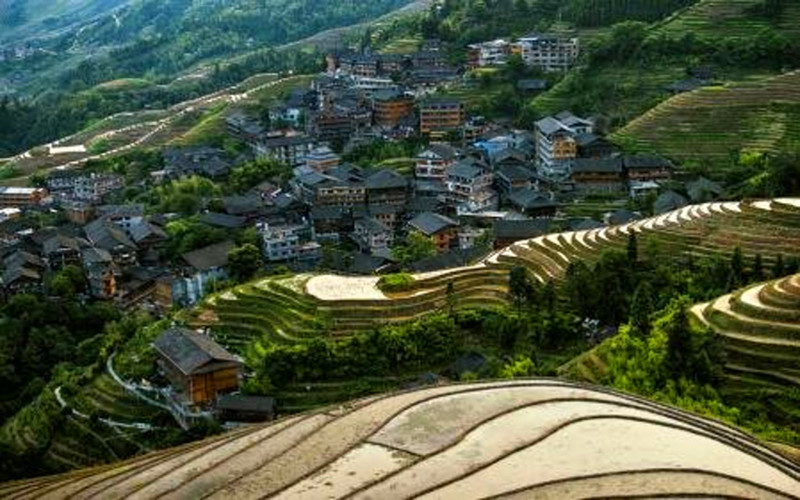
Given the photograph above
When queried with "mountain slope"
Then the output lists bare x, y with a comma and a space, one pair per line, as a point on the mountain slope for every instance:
627, 69
713, 124
24, 19
522, 439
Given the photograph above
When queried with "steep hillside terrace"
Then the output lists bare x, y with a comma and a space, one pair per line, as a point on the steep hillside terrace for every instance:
296, 309
524, 438
761, 329
711, 123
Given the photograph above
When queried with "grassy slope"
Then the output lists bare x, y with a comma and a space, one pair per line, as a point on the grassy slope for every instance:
753, 111
628, 90
39, 17
711, 124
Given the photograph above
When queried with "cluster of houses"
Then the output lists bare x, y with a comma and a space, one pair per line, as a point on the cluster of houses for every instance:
546, 52
474, 181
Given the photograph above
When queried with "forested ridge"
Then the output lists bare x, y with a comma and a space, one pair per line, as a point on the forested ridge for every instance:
157, 41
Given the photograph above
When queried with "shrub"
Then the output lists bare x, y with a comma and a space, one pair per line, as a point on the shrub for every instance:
399, 282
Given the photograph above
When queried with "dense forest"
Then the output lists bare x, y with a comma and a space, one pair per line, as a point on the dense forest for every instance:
156, 41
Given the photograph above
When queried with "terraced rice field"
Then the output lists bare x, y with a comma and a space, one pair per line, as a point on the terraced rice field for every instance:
717, 18
711, 124
75, 442
525, 438
296, 309
761, 329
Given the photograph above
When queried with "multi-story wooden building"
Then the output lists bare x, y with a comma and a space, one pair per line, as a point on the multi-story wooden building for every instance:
21, 196
440, 116
286, 149
556, 143
440, 229
387, 187
598, 175
433, 162
389, 108
197, 367
493, 53
647, 168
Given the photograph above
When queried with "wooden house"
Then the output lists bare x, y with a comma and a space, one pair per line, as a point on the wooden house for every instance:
198, 368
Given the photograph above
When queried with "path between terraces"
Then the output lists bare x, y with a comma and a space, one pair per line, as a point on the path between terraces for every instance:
181, 414
113, 423
179, 110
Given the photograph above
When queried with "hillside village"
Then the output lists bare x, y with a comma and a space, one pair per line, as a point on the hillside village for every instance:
404, 206
469, 184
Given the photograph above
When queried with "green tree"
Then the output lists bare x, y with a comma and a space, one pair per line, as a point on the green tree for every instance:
522, 366
642, 308
758, 268
519, 286
777, 268
414, 247
450, 297
633, 248
244, 261
679, 339
736, 276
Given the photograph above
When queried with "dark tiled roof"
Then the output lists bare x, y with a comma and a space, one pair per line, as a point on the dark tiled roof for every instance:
454, 258
515, 173
510, 154
520, 229
366, 264
549, 125
528, 199
702, 188
144, 230
599, 165
372, 225
584, 140
584, 224
646, 161
107, 235
241, 205
15, 274
466, 169
189, 351
423, 204
667, 201
431, 223
249, 404
223, 220
386, 179
210, 257
443, 151
22, 258
621, 217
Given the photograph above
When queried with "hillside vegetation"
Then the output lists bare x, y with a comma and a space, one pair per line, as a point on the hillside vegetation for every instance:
268, 319
760, 326
712, 125
627, 68
165, 44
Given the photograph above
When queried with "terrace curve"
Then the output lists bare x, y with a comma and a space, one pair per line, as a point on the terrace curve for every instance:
761, 329
517, 438
288, 310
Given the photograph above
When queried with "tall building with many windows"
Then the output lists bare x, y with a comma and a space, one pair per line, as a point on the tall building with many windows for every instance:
547, 52
439, 116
